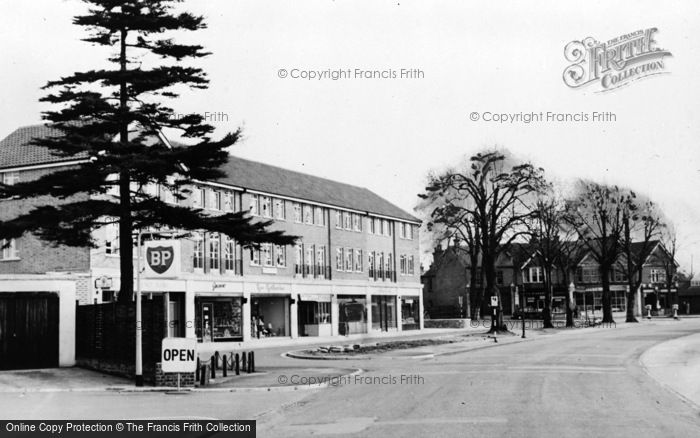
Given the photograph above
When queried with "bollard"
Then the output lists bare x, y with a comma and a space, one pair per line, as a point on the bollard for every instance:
213, 367
224, 365
202, 375
196, 375
238, 368
252, 361
245, 362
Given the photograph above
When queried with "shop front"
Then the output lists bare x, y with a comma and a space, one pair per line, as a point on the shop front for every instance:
410, 313
383, 313
352, 314
314, 315
270, 316
218, 319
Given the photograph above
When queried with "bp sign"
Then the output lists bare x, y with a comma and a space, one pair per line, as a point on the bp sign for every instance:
179, 355
162, 258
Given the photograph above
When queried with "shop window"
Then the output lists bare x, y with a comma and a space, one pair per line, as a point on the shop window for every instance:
352, 315
383, 312
218, 319
269, 316
410, 313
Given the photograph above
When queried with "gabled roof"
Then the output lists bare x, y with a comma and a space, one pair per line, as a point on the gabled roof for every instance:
15, 151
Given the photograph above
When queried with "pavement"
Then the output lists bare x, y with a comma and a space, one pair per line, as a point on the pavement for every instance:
675, 364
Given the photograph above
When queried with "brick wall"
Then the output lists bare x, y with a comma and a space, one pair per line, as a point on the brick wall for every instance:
106, 334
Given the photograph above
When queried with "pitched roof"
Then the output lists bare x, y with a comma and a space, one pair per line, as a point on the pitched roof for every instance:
15, 151
266, 178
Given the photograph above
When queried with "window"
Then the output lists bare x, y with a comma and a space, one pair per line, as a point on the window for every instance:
617, 275
385, 227
297, 212
403, 265
347, 221
229, 254
535, 275
389, 262
265, 206
319, 218
402, 230
370, 263
254, 257
321, 257
197, 198
411, 266
588, 274
371, 226
214, 252
409, 231
9, 249
358, 260
10, 178
228, 202
213, 200
377, 226
339, 259
308, 214
279, 209
297, 258
308, 257
112, 238
388, 228
348, 259
338, 219
198, 252
656, 276
254, 205
266, 252
280, 256
356, 222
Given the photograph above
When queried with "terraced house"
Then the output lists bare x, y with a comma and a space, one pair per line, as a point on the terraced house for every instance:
353, 271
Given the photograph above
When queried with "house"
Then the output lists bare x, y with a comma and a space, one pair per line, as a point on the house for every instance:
353, 271
520, 279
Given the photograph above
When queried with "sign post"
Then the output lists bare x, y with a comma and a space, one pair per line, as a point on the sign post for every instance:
178, 355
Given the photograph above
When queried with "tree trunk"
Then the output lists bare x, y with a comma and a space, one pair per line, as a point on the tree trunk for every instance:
569, 304
547, 311
126, 244
607, 302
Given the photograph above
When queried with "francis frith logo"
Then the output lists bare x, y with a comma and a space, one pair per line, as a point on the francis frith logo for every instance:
614, 63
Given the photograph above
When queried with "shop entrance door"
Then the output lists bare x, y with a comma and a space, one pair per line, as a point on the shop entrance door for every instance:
383, 313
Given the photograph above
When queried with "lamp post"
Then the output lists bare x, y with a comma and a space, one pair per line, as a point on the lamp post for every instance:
522, 308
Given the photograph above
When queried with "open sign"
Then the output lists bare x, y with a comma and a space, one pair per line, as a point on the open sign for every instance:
162, 258
179, 355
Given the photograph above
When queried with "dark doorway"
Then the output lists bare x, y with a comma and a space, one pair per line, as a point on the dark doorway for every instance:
28, 330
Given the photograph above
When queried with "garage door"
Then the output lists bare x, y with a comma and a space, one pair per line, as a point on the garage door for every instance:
28, 330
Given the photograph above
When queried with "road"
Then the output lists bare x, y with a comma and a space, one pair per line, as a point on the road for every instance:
585, 383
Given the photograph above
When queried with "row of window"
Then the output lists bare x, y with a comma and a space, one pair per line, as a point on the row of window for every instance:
221, 253
406, 265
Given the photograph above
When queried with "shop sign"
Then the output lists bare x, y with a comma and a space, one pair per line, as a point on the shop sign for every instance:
316, 297
162, 258
179, 355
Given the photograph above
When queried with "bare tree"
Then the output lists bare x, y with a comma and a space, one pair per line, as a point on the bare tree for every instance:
595, 212
551, 239
642, 224
499, 189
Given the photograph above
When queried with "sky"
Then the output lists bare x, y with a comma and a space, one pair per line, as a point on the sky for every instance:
386, 134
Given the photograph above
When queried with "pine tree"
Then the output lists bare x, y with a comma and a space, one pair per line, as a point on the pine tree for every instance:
113, 118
